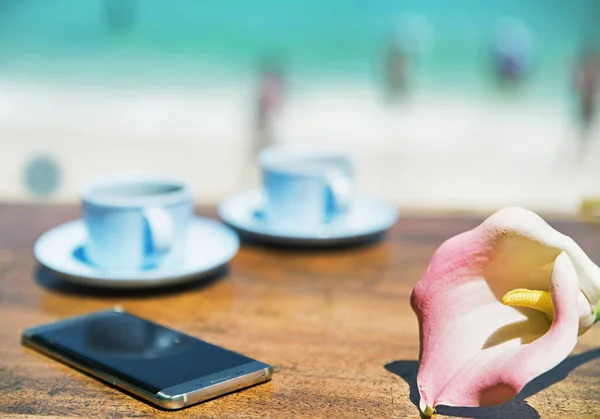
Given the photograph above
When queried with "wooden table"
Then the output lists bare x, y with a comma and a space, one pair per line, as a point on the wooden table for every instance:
336, 324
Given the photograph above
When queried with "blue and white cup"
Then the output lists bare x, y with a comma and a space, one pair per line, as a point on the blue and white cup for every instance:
136, 221
305, 188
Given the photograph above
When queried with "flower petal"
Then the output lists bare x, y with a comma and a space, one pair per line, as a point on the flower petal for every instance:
531, 228
475, 351
552, 348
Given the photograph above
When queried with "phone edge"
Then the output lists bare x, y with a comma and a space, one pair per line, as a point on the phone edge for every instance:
263, 373
159, 399
66, 321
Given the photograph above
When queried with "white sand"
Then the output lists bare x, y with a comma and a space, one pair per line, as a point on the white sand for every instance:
435, 150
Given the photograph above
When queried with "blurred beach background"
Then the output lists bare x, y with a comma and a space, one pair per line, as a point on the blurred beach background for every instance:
91, 87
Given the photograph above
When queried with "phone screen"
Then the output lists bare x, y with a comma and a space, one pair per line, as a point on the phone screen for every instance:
135, 350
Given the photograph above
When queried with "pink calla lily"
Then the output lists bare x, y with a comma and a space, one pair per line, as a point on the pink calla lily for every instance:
498, 306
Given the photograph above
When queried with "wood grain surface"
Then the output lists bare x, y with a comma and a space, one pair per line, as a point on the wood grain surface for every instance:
336, 324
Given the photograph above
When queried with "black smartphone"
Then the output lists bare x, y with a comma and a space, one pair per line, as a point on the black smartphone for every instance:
167, 368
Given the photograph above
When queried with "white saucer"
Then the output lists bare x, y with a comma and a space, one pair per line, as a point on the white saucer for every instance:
366, 218
209, 247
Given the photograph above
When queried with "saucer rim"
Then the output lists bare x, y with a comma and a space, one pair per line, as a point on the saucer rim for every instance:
132, 279
302, 240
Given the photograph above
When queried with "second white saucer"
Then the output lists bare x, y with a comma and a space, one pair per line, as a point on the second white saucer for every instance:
366, 218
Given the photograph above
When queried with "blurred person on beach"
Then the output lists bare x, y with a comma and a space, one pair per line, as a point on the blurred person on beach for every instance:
512, 52
585, 85
396, 70
266, 104
408, 43
119, 15
269, 100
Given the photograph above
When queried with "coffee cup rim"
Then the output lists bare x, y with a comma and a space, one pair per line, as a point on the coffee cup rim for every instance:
275, 157
88, 192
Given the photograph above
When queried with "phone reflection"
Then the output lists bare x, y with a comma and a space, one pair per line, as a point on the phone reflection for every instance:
125, 336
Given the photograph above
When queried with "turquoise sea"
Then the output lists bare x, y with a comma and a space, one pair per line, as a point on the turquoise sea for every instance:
160, 41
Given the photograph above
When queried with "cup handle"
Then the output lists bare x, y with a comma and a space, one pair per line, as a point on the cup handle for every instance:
339, 191
160, 228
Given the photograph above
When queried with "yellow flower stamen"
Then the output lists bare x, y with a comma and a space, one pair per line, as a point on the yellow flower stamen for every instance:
537, 300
